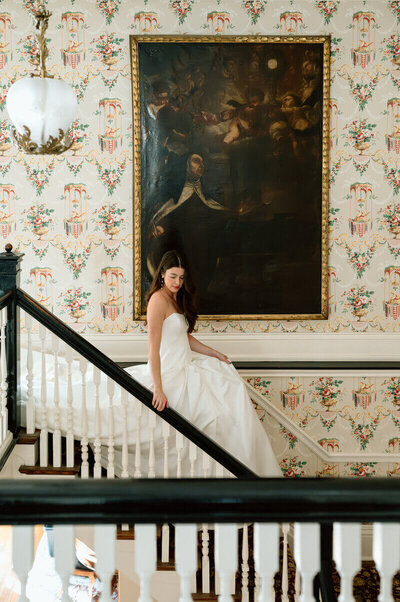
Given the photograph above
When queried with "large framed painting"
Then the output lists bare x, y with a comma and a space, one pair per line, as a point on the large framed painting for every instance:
230, 139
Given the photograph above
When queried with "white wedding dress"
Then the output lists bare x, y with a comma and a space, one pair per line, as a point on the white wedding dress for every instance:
207, 392
211, 395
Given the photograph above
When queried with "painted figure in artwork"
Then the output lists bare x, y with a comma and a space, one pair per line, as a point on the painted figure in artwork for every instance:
188, 220
231, 152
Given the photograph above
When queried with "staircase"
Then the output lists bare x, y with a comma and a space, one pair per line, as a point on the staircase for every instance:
39, 445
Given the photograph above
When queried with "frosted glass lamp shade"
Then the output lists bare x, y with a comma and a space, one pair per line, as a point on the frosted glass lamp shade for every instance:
45, 106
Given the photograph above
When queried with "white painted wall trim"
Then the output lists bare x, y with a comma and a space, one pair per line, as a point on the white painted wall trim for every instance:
263, 347
304, 438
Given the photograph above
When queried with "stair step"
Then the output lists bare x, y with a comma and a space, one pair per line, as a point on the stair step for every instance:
213, 597
126, 534
24, 439
209, 597
166, 566
50, 470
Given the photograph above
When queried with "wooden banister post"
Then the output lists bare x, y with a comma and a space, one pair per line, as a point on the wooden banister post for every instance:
10, 270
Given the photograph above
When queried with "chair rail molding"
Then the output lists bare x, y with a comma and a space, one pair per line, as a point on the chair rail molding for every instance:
132, 347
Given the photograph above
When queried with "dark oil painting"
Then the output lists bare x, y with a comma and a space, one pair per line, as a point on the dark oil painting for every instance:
231, 164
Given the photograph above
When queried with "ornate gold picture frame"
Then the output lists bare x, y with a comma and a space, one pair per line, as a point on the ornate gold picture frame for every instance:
231, 160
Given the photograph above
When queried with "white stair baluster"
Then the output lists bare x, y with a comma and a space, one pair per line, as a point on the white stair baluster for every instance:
84, 422
192, 458
105, 547
44, 445
205, 559
146, 561
245, 564
165, 543
266, 558
226, 558
152, 458
124, 402
165, 528
97, 424
307, 556
297, 585
386, 553
179, 450
138, 451
347, 556
22, 555
57, 429
165, 431
70, 409
185, 557
110, 464
30, 404
3, 382
285, 575
257, 586
206, 465
219, 471
64, 555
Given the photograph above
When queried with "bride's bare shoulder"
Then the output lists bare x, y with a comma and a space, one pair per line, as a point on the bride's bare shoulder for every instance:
157, 304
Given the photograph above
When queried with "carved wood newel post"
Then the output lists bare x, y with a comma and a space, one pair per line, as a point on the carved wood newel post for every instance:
10, 269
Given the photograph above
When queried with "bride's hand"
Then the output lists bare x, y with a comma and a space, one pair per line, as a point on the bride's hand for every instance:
159, 400
222, 357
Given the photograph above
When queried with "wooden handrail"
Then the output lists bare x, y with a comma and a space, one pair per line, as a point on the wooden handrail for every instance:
6, 298
91, 501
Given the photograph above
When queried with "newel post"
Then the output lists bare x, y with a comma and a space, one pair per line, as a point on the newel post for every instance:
10, 270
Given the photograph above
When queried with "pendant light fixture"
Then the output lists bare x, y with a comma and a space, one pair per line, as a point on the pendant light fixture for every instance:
40, 107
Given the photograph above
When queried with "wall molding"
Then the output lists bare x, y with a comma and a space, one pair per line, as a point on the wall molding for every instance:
267, 346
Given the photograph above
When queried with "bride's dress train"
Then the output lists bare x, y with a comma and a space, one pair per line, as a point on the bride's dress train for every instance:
207, 392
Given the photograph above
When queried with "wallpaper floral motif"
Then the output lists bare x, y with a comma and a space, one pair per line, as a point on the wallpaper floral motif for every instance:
72, 215
344, 415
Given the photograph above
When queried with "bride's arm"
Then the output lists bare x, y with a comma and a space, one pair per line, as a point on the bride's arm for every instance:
195, 345
155, 319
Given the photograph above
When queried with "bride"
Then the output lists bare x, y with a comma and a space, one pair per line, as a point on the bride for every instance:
195, 380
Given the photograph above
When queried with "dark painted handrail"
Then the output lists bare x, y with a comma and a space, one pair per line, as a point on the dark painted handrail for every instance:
89, 501
122, 378
6, 299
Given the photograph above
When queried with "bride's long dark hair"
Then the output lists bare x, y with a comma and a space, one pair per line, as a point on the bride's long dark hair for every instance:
185, 298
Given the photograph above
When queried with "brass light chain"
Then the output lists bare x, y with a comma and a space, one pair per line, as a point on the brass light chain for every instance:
42, 16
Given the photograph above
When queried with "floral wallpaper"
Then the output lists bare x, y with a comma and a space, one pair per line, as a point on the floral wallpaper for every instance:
344, 415
72, 214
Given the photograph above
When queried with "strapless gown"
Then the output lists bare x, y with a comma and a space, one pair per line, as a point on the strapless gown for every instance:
212, 396
207, 392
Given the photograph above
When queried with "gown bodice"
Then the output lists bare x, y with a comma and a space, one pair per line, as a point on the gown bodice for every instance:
175, 350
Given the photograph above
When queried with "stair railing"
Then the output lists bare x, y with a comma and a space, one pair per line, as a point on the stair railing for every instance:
131, 395
342, 503
173, 448
117, 376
